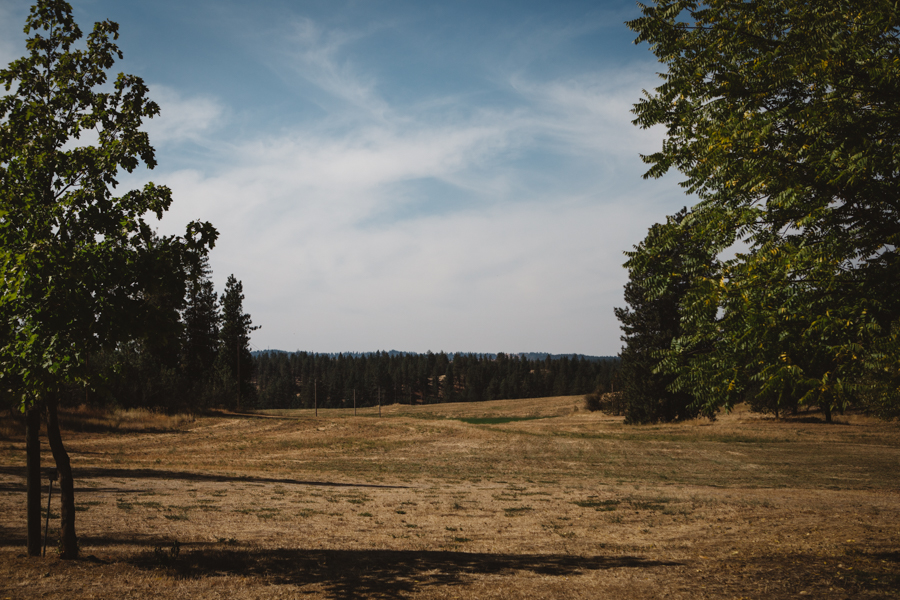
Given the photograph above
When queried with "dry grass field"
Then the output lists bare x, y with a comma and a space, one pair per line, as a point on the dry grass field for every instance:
508, 499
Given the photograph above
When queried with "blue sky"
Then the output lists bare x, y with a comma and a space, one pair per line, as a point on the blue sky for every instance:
415, 175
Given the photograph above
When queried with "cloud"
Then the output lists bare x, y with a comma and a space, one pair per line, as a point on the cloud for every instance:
299, 217
317, 56
183, 119
592, 114
508, 277
441, 224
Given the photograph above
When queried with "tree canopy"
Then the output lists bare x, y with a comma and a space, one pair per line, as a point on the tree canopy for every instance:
77, 263
651, 320
783, 117
80, 268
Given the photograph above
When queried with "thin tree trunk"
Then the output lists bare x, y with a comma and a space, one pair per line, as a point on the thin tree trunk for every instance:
33, 479
68, 543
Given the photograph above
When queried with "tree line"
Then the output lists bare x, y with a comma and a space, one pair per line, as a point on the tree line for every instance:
304, 379
200, 360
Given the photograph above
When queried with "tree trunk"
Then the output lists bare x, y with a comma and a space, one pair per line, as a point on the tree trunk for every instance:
33, 480
68, 542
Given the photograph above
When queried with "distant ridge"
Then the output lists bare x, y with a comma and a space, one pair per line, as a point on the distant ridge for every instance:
527, 355
544, 355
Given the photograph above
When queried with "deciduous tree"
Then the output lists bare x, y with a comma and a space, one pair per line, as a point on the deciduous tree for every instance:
783, 117
78, 264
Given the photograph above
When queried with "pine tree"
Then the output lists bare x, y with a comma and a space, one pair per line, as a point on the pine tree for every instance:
234, 362
200, 340
650, 322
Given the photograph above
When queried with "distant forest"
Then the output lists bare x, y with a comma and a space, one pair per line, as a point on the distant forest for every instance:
304, 379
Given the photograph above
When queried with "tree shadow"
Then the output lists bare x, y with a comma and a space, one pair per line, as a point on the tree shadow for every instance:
814, 420
380, 574
105, 472
13, 537
888, 556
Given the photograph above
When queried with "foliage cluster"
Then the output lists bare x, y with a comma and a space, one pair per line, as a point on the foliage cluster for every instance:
652, 320
783, 117
85, 283
203, 361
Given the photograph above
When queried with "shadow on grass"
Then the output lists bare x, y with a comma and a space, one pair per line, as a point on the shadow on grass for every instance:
13, 538
99, 473
384, 574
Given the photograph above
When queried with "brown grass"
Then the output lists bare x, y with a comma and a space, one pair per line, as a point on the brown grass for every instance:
555, 502
86, 418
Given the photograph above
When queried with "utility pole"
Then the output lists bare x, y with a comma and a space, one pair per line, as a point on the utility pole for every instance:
238, 362
354, 402
316, 395
379, 402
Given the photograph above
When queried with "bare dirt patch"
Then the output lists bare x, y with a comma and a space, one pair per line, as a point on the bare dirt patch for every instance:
508, 499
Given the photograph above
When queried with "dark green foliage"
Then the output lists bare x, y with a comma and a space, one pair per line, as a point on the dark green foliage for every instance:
182, 368
200, 337
234, 363
770, 403
650, 322
80, 269
782, 116
286, 380
612, 403
593, 401
134, 377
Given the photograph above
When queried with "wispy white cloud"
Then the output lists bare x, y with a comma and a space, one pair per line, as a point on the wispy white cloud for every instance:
183, 119
489, 216
341, 248
319, 56
592, 114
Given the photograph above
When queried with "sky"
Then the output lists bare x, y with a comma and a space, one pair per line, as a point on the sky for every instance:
410, 175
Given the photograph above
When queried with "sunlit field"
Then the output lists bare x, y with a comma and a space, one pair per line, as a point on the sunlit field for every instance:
507, 499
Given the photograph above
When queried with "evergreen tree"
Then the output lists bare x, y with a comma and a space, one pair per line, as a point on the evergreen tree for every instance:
650, 322
200, 340
234, 362
201, 321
